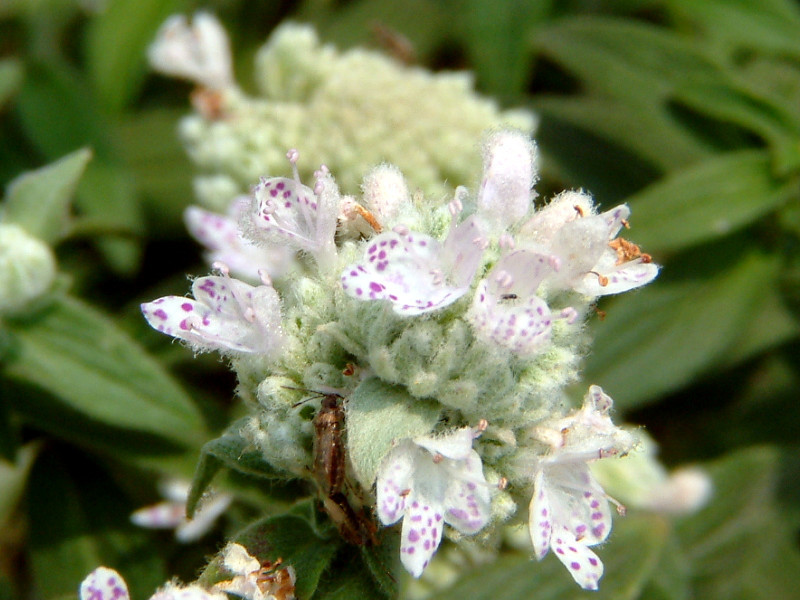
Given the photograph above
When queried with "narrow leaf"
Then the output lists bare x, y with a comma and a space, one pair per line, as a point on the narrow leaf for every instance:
658, 339
10, 79
85, 361
707, 201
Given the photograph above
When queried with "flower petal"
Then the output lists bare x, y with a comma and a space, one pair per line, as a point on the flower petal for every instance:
540, 519
618, 278
456, 444
204, 518
466, 498
583, 564
164, 515
421, 534
394, 481
524, 327
578, 502
405, 269
104, 584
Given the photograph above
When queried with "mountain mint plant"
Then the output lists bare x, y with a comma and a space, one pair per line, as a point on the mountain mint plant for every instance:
449, 330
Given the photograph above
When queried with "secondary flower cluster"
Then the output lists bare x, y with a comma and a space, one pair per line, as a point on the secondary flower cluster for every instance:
449, 330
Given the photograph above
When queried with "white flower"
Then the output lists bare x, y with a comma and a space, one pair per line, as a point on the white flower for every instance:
222, 238
590, 258
104, 584
569, 511
171, 514
199, 52
506, 309
284, 211
226, 314
429, 481
415, 272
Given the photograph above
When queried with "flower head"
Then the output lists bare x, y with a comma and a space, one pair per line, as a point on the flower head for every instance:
569, 511
427, 481
226, 314
199, 52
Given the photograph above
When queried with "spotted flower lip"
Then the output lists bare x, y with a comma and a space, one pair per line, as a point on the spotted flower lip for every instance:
415, 272
569, 510
429, 481
104, 584
284, 211
226, 315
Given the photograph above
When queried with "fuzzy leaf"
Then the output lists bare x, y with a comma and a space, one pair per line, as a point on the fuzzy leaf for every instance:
233, 451
80, 357
39, 201
377, 415
707, 201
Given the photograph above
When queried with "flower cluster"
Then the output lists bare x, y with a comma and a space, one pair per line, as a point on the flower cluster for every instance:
313, 92
450, 330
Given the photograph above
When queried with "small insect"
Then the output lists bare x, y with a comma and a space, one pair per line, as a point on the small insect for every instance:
508, 297
394, 42
330, 467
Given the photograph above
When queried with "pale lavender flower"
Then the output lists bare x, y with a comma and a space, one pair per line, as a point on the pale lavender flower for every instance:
104, 584
284, 211
415, 272
569, 511
429, 481
171, 514
226, 315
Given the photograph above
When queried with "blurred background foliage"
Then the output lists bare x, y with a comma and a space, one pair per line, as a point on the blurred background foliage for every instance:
687, 109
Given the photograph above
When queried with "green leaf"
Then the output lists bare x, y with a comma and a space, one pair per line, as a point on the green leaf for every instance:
650, 133
766, 25
116, 44
497, 35
10, 79
58, 112
233, 451
659, 338
638, 64
719, 540
707, 201
79, 356
377, 415
630, 558
39, 201
78, 520
13, 476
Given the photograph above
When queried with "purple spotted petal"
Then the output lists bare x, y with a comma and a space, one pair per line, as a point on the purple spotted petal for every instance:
578, 502
583, 564
286, 211
407, 270
394, 482
421, 534
467, 500
227, 315
104, 584
540, 519
615, 219
523, 325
